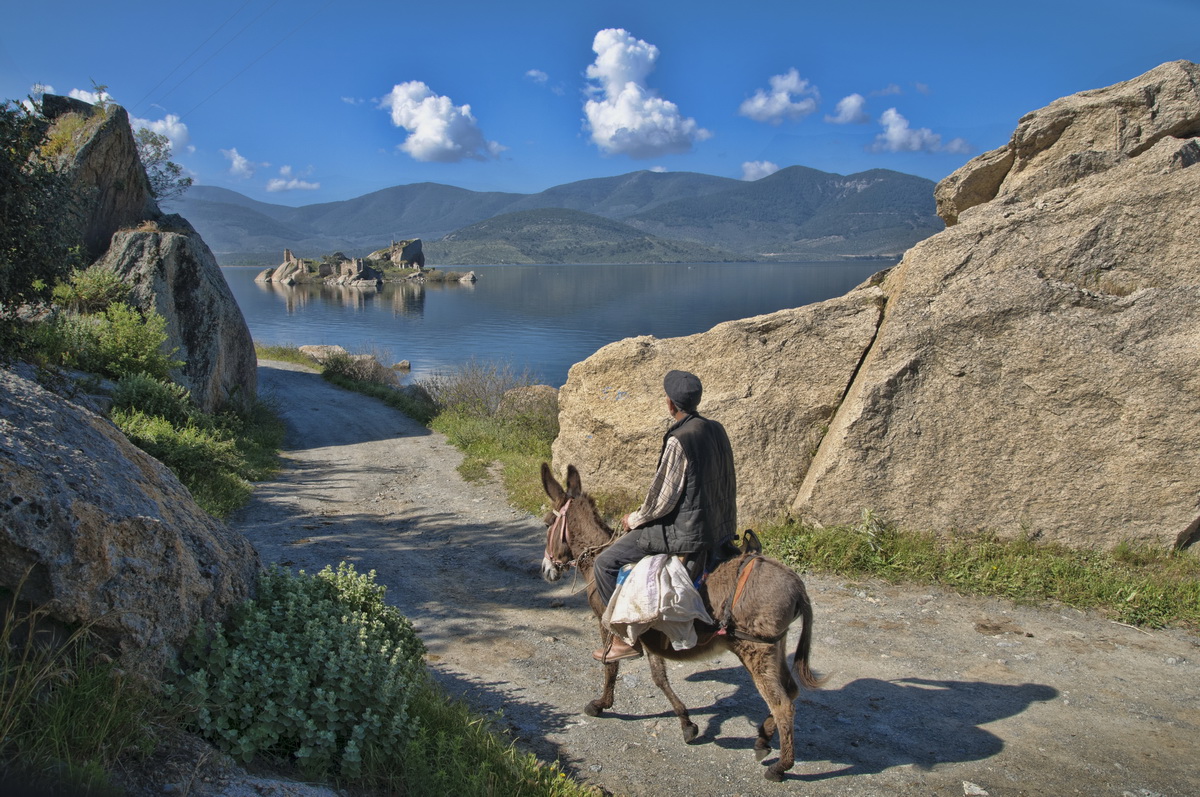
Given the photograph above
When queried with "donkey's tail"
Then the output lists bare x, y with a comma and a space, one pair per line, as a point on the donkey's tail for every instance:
800, 665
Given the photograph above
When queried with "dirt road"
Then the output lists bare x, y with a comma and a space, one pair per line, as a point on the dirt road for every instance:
929, 693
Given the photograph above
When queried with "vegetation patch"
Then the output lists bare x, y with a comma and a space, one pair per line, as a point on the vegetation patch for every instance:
1132, 583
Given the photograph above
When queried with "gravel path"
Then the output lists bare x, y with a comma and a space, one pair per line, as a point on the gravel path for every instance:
929, 693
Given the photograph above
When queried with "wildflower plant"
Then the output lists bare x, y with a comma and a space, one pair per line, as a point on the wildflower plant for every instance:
316, 668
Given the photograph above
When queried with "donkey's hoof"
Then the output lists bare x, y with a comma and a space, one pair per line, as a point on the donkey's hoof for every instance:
593, 709
761, 752
690, 732
773, 773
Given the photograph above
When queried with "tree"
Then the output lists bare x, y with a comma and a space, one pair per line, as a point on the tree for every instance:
167, 180
39, 231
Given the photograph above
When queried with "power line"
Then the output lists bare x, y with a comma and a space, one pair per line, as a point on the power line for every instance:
219, 51
138, 104
256, 60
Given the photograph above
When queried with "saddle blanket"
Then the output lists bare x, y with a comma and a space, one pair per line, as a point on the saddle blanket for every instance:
658, 593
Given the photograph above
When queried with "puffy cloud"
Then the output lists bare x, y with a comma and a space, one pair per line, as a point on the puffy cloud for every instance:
92, 97
659, 169
240, 166
170, 126
897, 136
624, 115
287, 182
537, 76
851, 110
438, 129
756, 170
790, 96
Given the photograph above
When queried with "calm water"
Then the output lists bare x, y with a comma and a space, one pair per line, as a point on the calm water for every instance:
543, 319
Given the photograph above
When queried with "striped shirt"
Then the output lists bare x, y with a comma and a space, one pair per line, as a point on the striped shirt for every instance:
666, 488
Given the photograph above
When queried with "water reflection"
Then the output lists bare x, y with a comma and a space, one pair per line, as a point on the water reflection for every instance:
537, 318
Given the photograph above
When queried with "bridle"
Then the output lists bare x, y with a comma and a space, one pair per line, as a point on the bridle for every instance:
558, 536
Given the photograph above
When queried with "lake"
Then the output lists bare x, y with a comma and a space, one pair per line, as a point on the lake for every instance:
540, 319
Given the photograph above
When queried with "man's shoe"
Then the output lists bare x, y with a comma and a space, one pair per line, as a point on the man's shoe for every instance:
617, 650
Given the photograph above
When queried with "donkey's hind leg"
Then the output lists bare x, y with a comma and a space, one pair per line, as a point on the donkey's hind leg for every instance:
767, 665
658, 671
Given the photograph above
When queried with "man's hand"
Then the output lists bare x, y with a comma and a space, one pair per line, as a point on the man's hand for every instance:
625, 523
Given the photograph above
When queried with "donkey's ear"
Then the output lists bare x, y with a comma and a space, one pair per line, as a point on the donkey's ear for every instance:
574, 483
553, 489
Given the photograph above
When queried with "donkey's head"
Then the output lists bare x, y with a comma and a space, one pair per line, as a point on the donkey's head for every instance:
573, 525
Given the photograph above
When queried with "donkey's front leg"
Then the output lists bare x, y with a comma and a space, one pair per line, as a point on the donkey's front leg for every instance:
658, 671
597, 706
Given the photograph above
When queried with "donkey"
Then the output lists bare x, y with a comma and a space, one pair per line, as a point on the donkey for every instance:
759, 601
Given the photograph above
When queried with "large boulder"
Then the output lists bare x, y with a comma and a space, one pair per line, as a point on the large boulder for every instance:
774, 382
98, 152
1075, 136
1037, 365
170, 269
107, 535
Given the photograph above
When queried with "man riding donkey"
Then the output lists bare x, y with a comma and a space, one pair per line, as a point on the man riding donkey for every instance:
691, 507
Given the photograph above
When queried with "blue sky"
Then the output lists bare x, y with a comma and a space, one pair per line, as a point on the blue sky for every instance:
311, 101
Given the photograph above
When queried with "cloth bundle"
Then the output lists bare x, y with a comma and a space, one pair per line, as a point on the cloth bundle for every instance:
656, 592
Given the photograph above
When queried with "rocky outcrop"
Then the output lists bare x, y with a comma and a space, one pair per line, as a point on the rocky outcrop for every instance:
171, 270
109, 184
1077, 136
107, 535
1036, 368
774, 381
162, 258
402, 254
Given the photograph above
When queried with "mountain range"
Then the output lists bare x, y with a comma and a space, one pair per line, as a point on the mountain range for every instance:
794, 214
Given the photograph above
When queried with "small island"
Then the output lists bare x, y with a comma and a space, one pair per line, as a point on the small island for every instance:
401, 261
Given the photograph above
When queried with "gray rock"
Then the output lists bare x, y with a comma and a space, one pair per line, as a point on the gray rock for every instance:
172, 270
108, 534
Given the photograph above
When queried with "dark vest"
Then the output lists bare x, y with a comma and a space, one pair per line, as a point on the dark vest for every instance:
707, 510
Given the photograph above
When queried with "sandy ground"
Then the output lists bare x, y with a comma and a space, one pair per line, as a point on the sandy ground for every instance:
929, 692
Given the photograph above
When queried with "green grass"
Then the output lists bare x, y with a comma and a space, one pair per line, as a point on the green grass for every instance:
1133, 583
68, 714
287, 354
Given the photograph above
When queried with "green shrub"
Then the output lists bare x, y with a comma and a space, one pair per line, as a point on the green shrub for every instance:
154, 397
204, 456
124, 342
90, 290
318, 669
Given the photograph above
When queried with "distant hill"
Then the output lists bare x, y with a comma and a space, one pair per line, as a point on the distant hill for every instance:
559, 235
796, 213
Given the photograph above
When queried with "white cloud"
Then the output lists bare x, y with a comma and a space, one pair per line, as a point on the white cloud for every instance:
659, 169
438, 129
287, 182
353, 100
790, 96
897, 136
851, 110
92, 97
756, 170
170, 126
887, 91
625, 116
240, 166
537, 76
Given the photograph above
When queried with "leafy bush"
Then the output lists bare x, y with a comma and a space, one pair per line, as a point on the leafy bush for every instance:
39, 236
154, 397
204, 456
90, 290
316, 668
116, 343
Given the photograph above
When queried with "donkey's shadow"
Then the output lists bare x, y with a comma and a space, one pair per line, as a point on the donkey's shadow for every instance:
871, 725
